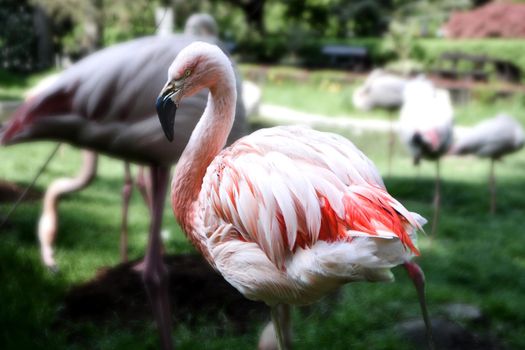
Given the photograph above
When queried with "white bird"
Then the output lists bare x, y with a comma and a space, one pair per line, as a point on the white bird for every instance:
492, 138
286, 214
425, 126
381, 90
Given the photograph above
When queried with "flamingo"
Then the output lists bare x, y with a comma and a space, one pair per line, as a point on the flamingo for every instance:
286, 214
380, 90
48, 222
492, 138
197, 25
425, 126
385, 91
201, 24
103, 103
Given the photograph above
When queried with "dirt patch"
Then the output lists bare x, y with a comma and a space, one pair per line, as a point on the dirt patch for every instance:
196, 292
10, 192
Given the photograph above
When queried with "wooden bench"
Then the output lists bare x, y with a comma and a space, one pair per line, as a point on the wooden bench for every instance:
346, 56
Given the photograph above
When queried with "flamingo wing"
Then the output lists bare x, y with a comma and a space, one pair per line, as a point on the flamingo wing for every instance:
287, 188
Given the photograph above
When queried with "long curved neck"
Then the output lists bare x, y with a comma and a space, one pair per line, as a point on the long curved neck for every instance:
206, 141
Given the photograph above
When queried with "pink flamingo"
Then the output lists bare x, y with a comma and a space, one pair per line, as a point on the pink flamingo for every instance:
425, 126
104, 103
285, 214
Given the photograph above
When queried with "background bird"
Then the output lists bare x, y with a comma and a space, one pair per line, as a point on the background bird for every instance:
492, 138
201, 24
105, 103
48, 222
197, 25
286, 214
425, 127
382, 90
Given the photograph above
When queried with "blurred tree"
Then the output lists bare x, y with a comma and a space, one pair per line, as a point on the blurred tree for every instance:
98, 23
412, 20
253, 10
18, 42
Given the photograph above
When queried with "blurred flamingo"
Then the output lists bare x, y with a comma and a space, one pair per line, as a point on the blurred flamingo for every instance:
425, 126
492, 138
285, 214
382, 90
103, 103
48, 222
199, 24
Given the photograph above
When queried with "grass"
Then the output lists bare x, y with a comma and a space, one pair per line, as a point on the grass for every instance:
13, 85
476, 258
330, 93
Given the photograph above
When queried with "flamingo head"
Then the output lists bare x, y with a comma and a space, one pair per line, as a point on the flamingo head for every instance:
199, 65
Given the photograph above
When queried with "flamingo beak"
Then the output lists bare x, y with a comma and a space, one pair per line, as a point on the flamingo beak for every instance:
167, 104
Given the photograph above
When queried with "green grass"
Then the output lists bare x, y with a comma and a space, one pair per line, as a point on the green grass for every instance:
337, 101
327, 94
13, 85
475, 258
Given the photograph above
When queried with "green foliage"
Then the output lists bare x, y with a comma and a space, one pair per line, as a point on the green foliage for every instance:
98, 23
305, 50
512, 50
125, 20
17, 36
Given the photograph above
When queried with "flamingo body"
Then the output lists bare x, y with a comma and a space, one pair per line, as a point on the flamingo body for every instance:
103, 103
300, 212
425, 126
380, 90
426, 120
492, 138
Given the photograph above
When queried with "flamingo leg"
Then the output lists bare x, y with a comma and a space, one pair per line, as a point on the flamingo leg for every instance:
155, 274
144, 186
269, 340
126, 196
418, 278
278, 327
492, 187
391, 142
48, 223
437, 199
286, 324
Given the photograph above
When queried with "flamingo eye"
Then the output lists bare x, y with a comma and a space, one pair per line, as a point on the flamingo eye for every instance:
187, 72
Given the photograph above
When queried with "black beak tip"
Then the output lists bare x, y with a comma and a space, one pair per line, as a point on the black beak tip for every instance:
166, 112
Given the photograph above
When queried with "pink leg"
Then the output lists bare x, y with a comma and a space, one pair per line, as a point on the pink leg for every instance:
155, 274
126, 195
437, 199
269, 338
144, 186
48, 223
